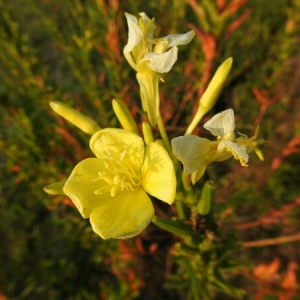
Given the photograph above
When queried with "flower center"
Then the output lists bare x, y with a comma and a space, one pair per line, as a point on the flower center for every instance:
119, 175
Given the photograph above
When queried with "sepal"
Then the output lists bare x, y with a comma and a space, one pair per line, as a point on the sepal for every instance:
55, 188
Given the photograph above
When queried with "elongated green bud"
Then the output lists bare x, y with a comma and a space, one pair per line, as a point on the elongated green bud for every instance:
124, 116
55, 188
147, 132
207, 195
84, 123
174, 226
211, 94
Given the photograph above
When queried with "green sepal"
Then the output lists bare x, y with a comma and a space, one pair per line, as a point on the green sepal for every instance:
55, 188
174, 226
205, 202
124, 116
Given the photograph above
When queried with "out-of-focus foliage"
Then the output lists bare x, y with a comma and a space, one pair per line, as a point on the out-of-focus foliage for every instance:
71, 51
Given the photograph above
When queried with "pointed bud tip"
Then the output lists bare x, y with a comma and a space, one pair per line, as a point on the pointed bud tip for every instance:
229, 60
227, 64
53, 104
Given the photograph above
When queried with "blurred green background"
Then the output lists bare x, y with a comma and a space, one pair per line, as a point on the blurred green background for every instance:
71, 51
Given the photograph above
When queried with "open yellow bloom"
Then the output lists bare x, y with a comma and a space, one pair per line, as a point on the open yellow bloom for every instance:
197, 153
150, 57
112, 188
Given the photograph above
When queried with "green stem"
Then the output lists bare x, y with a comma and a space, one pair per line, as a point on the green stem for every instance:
180, 207
164, 135
165, 138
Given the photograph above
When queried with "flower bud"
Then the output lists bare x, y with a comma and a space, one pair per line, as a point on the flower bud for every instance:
147, 132
211, 94
124, 116
84, 123
207, 195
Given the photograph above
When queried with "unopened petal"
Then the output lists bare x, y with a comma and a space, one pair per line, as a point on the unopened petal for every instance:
81, 185
158, 175
135, 34
120, 144
222, 124
191, 150
123, 216
162, 62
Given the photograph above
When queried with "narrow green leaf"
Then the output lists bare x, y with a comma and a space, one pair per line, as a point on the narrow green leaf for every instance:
174, 226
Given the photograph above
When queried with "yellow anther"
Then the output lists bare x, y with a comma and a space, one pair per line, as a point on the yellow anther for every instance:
115, 191
116, 180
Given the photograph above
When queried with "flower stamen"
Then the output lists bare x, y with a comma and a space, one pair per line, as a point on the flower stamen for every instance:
119, 176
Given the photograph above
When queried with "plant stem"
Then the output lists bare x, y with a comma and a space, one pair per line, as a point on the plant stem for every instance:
197, 118
164, 135
279, 240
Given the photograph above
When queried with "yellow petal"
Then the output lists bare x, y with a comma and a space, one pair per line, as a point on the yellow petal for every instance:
135, 34
179, 39
158, 175
237, 151
80, 186
123, 216
119, 143
162, 62
222, 124
199, 173
191, 150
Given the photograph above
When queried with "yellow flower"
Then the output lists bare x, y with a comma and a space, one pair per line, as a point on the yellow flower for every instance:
150, 57
112, 188
197, 153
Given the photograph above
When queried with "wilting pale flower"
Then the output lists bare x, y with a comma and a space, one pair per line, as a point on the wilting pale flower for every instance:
150, 57
112, 188
197, 153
